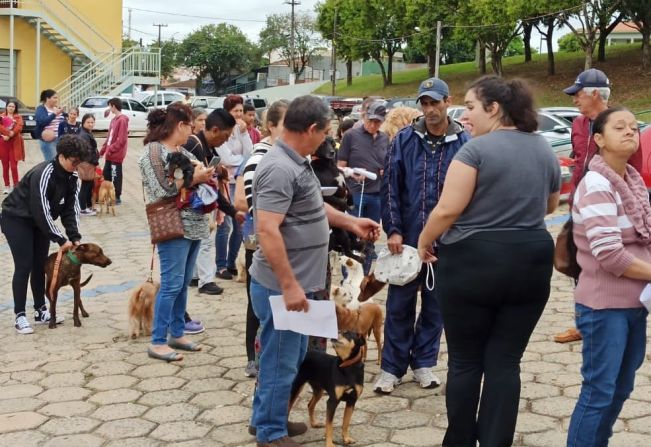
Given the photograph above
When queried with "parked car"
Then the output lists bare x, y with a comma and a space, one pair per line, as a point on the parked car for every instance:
208, 103
98, 106
343, 107
26, 112
553, 127
403, 102
455, 112
568, 113
162, 99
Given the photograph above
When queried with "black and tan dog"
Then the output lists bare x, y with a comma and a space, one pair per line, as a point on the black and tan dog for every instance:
341, 376
69, 273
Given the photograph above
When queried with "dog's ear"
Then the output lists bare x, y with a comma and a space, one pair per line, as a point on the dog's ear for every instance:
81, 247
369, 287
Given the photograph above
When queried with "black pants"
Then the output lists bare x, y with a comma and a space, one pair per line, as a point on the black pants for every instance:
113, 172
252, 322
492, 288
29, 247
86, 194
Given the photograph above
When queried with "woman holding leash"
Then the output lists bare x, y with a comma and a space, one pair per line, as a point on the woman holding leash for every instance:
48, 191
167, 131
494, 259
612, 232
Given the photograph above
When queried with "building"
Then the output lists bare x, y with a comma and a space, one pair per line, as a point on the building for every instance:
71, 46
624, 32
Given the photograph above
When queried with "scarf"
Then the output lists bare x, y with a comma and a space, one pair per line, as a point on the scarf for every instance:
632, 191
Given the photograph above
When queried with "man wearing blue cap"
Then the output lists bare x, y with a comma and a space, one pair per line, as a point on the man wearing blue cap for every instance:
414, 173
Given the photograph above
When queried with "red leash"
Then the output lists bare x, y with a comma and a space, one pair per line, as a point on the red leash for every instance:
55, 272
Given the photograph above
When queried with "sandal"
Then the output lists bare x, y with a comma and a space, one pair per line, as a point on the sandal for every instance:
192, 347
169, 357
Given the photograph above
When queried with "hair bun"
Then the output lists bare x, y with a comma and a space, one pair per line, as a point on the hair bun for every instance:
156, 117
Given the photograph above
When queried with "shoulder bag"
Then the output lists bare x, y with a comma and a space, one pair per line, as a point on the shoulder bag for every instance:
565, 252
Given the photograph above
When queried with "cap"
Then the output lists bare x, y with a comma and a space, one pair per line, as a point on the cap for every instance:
377, 110
588, 78
435, 88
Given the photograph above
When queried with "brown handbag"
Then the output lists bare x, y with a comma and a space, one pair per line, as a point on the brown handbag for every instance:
565, 252
86, 171
164, 220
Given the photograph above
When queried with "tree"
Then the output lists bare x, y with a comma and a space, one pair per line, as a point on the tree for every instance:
517, 47
588, 16
639, 12
217, 50
169, 57
606, 25
569, 43
276, 36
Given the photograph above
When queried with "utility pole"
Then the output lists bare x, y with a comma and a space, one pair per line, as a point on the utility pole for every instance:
334, 54
438, 49
129, 33
292, 62
160, 25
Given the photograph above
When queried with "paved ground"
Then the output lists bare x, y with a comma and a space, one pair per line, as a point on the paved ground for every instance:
92, 386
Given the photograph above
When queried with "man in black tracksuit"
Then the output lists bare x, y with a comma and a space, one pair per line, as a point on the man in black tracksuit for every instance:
47, 192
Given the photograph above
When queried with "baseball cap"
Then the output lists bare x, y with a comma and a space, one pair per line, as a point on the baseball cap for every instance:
588, 78
435, 88
377, 110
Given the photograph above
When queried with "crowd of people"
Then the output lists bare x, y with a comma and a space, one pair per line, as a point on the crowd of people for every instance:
429, 182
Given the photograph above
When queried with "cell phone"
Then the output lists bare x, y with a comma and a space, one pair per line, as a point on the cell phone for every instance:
214, 162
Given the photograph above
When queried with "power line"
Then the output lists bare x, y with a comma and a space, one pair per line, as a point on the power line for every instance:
160, 25
198, 17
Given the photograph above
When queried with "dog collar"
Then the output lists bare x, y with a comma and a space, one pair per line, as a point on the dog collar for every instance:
354, 360
73, 258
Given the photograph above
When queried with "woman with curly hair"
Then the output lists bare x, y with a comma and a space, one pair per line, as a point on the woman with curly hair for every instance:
398, 118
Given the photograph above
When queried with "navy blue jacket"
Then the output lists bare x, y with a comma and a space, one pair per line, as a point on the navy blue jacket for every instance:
414, 173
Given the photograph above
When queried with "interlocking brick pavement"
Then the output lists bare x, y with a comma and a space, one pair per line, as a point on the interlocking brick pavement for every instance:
93, 386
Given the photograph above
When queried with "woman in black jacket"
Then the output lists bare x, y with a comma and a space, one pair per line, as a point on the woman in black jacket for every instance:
86, 191
48, 191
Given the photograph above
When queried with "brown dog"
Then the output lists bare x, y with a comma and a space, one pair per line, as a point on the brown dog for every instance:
99, 178
106, 196
366, 318
141, 308
70, 274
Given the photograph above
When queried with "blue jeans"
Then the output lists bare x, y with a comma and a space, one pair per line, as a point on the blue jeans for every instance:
282, 352
614, 342
371, 208
227, 248
48, 149
177, 259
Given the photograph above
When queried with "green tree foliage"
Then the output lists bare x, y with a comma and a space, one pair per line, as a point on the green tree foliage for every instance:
639, 12
217, 50
569, 43
169, 57
516, 47
276, 36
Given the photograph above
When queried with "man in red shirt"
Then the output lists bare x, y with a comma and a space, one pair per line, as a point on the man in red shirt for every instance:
114, 149
249, 118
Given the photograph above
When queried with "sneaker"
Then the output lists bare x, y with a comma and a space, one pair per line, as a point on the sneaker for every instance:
88, 212
386, 382
211, 288
42, 316
426, 378
293, 429
22, 325
193, 327
194, 282
118, 201
224, 274
7, 190
251, 370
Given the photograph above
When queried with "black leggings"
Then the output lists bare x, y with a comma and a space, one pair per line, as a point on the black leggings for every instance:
492, 288
113, 172
29, 247
252, 322
86, 194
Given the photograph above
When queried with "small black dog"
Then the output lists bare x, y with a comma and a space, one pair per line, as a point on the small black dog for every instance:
179, 166
325, 168
341, 376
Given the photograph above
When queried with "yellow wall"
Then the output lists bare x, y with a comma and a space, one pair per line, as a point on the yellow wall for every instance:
105, 14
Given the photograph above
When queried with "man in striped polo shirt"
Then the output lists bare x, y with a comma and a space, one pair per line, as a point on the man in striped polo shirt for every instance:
293, 233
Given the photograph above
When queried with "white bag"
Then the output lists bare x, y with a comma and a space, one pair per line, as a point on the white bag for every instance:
398, 269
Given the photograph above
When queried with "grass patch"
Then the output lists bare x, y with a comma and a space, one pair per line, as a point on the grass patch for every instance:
630, 85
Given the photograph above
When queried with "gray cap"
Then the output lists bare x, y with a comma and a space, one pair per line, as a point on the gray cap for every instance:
435, 88
377, 110
588, 78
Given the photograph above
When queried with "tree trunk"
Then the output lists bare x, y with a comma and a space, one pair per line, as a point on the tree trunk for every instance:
384, 73
496, 63
588, 56
349, 72
482, 57
551, 64
527, 41
431, 61
389, 69
646, 48
601, 53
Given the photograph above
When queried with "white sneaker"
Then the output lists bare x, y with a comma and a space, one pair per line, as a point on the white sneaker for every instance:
43, 316
22, 325
386, 383
426, 378
88, 212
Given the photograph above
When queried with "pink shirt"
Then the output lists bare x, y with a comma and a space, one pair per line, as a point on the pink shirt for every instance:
607, 244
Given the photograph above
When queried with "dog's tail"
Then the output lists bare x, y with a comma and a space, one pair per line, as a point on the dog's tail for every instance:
87, 281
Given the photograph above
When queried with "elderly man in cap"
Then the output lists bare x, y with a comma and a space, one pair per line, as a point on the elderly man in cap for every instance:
590, 93
366, 147
414, 173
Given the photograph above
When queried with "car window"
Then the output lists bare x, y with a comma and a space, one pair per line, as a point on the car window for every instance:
125, 104
200, 103
136, 106
216, 103
545, 123
95, 103
259, 103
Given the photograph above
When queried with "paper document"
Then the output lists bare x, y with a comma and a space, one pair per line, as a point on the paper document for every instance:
319, 321
645, 297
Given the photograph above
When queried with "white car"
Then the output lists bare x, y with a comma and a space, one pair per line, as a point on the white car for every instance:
98, 106
208, 103
162, 99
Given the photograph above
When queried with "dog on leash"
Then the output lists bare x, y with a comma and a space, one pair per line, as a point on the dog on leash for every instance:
106, 196
341, 376
356, 288
363, 320
70, 274
99, 178
141, 308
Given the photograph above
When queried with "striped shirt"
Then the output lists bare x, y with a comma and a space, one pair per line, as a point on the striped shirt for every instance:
54, 124
259, 150
607, 244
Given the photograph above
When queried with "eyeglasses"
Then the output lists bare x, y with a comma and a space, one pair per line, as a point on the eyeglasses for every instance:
74, 161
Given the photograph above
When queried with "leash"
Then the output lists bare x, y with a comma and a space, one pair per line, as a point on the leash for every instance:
354, 360
55, 272
150, 278
430, 275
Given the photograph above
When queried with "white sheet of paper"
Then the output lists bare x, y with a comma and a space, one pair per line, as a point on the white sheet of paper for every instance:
645, 297
319, 321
